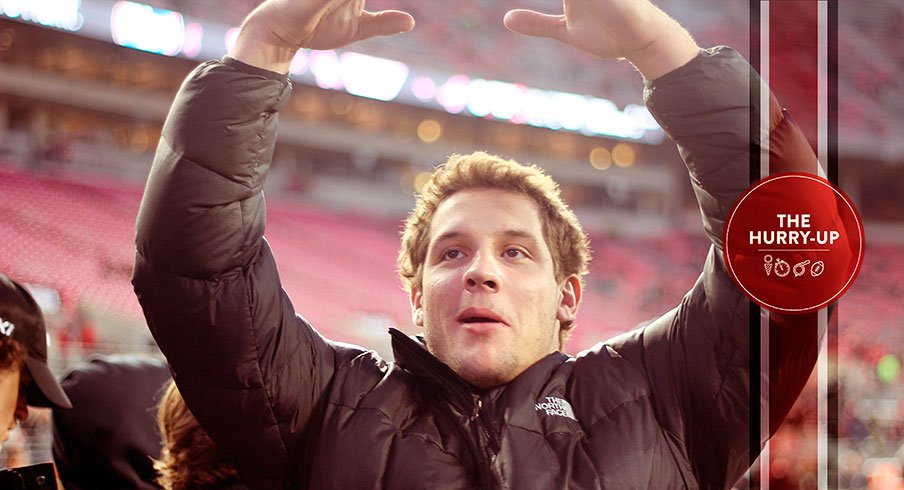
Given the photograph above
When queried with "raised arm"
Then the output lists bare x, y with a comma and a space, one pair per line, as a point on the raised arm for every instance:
252, 372
695, 357
635, 30
277, 29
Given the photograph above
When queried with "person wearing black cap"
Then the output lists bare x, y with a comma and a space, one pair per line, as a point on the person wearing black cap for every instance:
25, 378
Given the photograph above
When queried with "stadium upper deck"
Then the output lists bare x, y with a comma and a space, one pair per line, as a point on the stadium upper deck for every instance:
468, 37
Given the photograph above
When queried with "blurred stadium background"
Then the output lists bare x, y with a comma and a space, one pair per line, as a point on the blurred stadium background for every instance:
85, 85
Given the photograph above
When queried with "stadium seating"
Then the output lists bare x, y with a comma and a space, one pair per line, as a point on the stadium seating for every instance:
75, 233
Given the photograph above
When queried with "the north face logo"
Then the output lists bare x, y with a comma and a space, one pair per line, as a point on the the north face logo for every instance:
554, 405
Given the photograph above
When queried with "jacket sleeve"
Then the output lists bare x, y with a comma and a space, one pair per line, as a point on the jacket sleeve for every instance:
696, 357
252, 371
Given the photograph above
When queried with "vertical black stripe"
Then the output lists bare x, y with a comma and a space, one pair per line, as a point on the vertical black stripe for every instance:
832, 383
832, 398
832, 95
754, 310
754, 59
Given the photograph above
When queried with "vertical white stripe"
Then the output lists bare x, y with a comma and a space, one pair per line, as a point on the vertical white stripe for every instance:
822, 377
764, 171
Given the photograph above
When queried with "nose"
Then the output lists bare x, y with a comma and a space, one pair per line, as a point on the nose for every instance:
482, 274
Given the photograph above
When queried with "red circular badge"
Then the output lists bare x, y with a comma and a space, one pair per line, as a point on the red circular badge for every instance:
793, 243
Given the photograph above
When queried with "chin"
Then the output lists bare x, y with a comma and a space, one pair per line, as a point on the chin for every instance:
486, 375
485, 381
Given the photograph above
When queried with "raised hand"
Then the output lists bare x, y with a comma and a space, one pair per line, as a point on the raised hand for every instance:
277, 29
632, 29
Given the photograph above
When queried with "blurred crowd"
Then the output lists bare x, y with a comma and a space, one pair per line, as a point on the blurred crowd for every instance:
96, 309
468, 37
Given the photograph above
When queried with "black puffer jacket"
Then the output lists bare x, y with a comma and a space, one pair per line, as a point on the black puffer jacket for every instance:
665, 406
110, 437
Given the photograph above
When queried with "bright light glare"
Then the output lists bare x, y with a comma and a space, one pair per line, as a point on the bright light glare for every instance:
479, 98
570, 109
623, 155
372, 77
508, 99
143, 27
230, 37
453, 95
299, 63
429, 130
600, 158
194, 38
62, 14
325, 67
423, 88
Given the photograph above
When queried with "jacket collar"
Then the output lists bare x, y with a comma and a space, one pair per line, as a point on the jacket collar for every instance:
411, 354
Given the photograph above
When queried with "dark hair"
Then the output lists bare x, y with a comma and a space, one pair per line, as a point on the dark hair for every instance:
12, 354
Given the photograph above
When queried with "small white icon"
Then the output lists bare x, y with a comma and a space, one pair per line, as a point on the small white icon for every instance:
782, 268
800, 268
817, 268
7, 327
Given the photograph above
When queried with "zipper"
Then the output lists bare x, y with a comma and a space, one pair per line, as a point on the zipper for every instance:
485, 424
490, 449
460, 393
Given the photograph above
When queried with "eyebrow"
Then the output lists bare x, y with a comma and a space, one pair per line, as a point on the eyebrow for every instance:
511, 233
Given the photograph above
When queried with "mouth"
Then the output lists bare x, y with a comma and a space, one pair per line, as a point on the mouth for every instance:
475, 316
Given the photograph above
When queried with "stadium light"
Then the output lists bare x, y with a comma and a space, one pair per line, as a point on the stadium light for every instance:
194, 39
453, 95
61, 14
372, 77
325, 67
139, 26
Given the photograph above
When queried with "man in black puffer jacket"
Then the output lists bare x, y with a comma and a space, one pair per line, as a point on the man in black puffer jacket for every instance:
493, 261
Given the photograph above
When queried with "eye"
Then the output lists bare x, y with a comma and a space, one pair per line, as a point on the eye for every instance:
515, 253
452, 253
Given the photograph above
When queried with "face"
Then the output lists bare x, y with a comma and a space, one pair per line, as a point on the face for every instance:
489, 302
13, 383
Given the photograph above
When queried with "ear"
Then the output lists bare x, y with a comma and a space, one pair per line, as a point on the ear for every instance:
570, 299
417, 310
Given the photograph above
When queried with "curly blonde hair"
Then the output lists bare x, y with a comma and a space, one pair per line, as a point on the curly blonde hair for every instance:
190, 460
564, 236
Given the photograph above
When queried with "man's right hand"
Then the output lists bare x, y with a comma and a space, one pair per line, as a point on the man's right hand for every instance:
276, 29
635, 30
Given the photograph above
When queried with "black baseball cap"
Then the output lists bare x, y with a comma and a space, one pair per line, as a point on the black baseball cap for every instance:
21, 319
